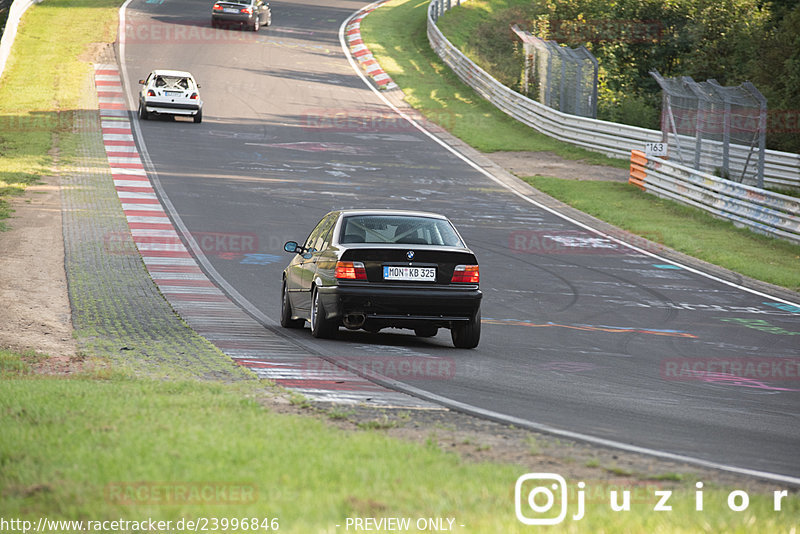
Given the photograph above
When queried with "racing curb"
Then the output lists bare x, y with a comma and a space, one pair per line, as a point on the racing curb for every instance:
361, 52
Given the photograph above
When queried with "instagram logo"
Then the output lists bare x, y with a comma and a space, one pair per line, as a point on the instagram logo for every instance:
537, 496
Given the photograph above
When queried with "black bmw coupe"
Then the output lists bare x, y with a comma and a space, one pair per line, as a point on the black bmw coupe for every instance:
374, 269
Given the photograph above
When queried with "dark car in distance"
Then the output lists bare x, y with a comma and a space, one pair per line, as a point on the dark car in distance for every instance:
251, 14
375, 269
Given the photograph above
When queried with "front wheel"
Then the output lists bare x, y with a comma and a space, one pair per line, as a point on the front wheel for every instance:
286, 312
467, 335
321, 326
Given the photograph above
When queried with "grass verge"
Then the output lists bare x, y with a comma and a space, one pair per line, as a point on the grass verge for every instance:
114, 447
52, 38
396, 34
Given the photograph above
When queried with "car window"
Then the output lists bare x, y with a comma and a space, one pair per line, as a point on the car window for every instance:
172, 82
399, 229
315, 238
323, 240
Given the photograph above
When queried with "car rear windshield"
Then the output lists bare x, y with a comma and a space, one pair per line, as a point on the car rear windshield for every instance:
172, 82
400, 229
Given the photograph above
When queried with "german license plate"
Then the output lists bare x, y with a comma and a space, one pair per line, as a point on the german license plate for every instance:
229, 10
415, 274
173, 93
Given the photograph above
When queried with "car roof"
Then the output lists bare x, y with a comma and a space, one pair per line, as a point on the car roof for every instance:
173, 73
407, 213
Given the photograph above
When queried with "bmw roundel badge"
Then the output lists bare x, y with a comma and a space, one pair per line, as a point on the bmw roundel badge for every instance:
410, 254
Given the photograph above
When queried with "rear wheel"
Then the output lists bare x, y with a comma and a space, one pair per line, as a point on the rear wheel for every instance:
256, 25
321, 327
426, 331
143, 114
198, 118
467, 335
286, 312
213, 23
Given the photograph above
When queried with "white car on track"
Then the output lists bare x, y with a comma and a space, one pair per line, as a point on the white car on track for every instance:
170, 92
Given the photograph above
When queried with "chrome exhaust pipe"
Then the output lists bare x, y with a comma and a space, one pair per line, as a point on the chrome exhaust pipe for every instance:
354, 321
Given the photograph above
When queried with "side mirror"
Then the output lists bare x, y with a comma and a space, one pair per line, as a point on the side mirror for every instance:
199, 86
142, 82
291, 246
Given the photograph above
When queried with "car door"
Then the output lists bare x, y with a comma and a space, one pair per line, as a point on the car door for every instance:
306, 264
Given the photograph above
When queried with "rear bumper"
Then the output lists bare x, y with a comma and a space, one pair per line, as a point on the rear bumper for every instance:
395, 306
232, 18
172, 108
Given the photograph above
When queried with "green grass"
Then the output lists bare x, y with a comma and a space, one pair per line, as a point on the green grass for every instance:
682, 228
46, 51
396, 36
100, 448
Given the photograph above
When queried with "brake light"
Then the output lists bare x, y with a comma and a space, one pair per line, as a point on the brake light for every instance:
350, 270
194, 96
247, 10
150, 92
217, 7
466, 274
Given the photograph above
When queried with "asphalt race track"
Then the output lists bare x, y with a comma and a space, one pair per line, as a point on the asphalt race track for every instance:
579, 333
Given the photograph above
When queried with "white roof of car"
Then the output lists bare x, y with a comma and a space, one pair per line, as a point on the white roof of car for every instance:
407, 213
173, 73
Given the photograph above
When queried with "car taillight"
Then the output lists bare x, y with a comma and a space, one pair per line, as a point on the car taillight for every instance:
217, 7
350, 270
150, 92
247, 10
194, 96
466, 274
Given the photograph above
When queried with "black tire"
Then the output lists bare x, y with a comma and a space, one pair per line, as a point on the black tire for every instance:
426, 331
256, 25
143, 114
467, 335
198, 118
269, 20
286, 311
320, 326
213, 23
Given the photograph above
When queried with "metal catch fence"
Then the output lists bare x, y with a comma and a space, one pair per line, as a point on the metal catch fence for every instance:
702, 121
559, 77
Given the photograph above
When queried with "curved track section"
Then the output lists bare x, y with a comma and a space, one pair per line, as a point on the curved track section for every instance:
581, 333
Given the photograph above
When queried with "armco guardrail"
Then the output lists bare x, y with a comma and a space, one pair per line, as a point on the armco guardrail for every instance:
18, 7
782, 169
762, 211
